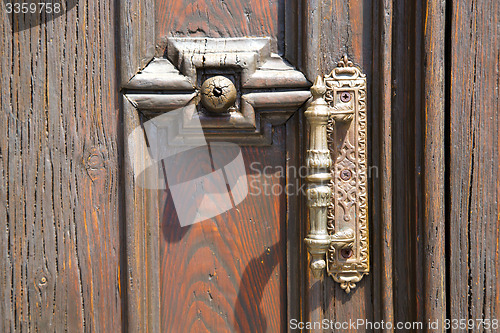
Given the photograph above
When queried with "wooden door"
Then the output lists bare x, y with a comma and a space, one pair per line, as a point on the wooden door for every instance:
86, 247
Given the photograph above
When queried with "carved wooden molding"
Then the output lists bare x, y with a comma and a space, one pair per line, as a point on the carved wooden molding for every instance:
269, 90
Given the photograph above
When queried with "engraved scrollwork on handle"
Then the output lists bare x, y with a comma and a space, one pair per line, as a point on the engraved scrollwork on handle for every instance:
337, 178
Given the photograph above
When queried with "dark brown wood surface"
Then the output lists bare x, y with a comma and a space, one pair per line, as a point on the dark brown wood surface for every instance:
59, 171
140, 268
474, 178
407, 165
212, 18
228, 273
75, 224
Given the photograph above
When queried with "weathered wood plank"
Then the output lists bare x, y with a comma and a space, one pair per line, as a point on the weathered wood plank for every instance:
296, 253
59, 172
381, 156
137, 36
434, 163
474, 161
142, 307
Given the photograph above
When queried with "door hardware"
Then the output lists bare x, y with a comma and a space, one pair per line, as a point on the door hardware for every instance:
337, 176
218, 93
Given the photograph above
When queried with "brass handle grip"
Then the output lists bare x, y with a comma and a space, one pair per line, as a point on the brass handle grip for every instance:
337, 176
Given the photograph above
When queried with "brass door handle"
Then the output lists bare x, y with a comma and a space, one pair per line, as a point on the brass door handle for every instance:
337, 176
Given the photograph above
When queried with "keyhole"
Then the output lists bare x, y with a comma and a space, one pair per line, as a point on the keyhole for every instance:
217, 91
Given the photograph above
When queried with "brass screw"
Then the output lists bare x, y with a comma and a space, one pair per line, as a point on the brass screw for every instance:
345, 96
345, 174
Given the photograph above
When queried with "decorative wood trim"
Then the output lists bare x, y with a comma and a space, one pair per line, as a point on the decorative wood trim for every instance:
269, 89
140, 288
160, 75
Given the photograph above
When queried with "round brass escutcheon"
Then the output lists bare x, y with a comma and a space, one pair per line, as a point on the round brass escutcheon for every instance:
218, 94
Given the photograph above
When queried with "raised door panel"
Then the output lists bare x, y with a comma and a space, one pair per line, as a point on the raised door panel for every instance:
230, 273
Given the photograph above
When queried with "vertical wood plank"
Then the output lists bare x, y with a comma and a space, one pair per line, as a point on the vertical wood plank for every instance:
347, 32
383, 154
434, 163
59, 171
137, 36
311, 39
137, 47
142, 229
407, 160
474, 161
403, 131
315, 289
295, 250
293, 32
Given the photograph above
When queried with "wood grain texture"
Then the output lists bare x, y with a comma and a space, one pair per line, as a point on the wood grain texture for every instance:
228, 274
434, 162
382, 156
141, 220
213, 18
59, 176
474, 161
249, 290
137, 32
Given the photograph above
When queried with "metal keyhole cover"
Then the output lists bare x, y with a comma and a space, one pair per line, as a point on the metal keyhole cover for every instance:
336, 159
218, 94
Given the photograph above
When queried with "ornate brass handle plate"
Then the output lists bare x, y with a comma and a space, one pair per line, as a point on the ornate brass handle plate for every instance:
337, 176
